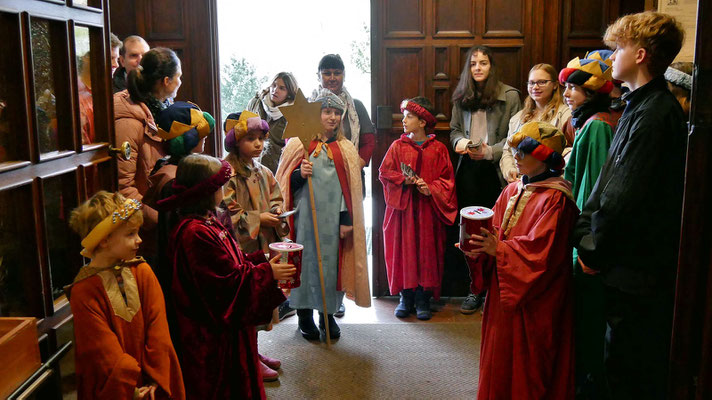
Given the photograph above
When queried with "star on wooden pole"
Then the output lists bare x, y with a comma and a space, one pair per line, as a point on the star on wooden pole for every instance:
304, 122
303, 119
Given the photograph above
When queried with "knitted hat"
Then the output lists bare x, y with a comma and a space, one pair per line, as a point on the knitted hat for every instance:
678, 78
238, 124
330, 100
182, 125
543, 141
593, 72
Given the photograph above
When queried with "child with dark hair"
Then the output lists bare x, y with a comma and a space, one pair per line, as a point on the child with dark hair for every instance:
253, 198
637, 260
588, 82
418, 207
219, 293
123, 348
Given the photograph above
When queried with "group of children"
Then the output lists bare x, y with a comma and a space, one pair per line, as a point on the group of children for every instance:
190, 328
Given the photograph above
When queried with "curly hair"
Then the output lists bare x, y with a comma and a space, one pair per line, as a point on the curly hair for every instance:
660, 34
88, 215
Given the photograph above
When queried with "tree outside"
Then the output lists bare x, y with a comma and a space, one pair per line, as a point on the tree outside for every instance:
239, 82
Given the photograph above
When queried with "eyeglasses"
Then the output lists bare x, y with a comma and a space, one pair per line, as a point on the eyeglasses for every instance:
517, 152
540, 83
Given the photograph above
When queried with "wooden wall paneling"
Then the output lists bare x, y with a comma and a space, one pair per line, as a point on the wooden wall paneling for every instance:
165, 20
123, 18
404, 18
691, 349
410, 79
453, 18
504, 18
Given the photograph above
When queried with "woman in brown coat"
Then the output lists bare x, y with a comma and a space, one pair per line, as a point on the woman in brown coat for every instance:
151, 88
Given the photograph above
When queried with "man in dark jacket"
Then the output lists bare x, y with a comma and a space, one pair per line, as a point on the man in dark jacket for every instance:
130, 55
629, 230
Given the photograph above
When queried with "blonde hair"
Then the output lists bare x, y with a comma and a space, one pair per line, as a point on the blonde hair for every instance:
88, 215
661, 35
556, 100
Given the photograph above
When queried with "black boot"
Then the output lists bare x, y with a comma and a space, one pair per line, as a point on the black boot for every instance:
334, 330
422, 304
306, 324
406, 305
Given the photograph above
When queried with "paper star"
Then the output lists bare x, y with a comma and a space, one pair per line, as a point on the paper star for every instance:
303, 119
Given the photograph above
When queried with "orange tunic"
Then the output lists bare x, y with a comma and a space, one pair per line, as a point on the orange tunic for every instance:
115, 356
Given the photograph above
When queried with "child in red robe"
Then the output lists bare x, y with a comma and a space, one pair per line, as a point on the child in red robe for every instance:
418, 207
219, 293
527, 347
123, 348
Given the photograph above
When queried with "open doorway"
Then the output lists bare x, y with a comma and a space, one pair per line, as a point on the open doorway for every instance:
259, 39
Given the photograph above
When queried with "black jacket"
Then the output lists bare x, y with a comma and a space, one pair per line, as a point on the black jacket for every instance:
630, 227
119, 80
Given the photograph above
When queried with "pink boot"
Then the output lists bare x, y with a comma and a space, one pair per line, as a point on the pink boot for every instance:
268, 374
270, 362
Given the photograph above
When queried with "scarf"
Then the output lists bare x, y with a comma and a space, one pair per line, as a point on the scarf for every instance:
345, 96
580, 115
273, 113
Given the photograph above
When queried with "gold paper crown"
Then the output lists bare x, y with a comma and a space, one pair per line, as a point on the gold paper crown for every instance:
240, 124
599, 77
108, 225
544, 133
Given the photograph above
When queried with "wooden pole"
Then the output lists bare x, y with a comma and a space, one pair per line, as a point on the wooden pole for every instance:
318, 256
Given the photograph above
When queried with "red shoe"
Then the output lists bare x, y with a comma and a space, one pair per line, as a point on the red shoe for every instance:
270, 362
268, 374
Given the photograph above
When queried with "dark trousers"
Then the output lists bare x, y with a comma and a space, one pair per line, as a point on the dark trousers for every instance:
638, 344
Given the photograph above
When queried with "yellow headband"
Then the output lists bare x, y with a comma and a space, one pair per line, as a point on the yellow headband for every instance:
108, 225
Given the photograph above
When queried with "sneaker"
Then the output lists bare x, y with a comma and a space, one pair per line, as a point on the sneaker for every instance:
472, 303
285, 310
268, 374
405, 306
270, 362
422, 305
340, 312
307, 327
334, 330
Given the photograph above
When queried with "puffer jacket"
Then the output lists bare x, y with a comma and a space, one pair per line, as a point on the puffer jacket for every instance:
134, 124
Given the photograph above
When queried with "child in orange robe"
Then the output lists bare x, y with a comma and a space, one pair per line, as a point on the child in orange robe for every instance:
123, 348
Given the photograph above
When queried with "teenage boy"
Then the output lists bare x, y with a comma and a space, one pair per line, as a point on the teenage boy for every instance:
629, 229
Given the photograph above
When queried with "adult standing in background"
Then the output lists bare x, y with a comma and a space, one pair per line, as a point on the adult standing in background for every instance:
150, 90
481, 111
544, 103
130, 55
266, 104
116, 46
355, 124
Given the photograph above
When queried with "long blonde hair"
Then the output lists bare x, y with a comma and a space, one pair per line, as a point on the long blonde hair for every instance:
554, 103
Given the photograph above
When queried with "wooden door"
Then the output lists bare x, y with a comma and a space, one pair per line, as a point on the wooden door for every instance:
190, 29
418, 48
46, 169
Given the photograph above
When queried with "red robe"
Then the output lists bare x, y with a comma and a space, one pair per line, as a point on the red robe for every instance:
414, 224
219, 296
527, 347
115, 356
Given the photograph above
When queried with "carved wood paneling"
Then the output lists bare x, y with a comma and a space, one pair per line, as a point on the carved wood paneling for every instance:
404, 18
454, 18
164, 20
409, 82
504, 18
